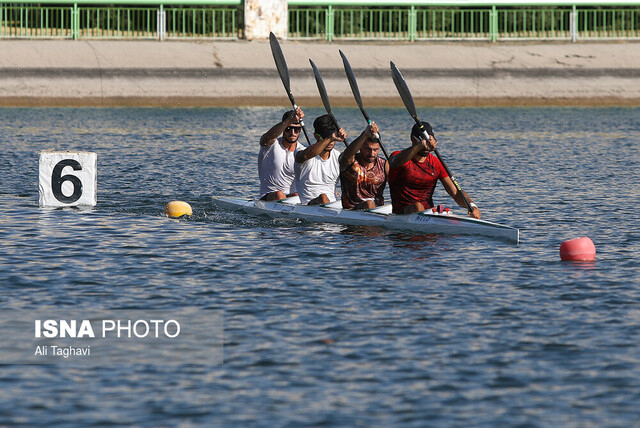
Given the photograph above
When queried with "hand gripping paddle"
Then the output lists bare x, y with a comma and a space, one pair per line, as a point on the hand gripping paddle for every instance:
283, 71
324, 96
405, 94
356, 94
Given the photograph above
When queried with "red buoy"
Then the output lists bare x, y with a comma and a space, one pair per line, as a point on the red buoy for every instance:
579, 249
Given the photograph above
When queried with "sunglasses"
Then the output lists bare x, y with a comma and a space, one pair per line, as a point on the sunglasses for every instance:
295, 129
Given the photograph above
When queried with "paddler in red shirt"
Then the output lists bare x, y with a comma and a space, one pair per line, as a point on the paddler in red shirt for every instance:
414, 173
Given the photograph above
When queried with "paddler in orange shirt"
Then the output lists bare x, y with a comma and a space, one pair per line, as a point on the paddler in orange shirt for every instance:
363, 174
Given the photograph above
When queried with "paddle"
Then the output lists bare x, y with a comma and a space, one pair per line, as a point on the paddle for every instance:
403, 90
283, 71
324, 96
356, 94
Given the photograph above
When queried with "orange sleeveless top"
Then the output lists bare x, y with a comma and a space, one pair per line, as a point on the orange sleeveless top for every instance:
359, 184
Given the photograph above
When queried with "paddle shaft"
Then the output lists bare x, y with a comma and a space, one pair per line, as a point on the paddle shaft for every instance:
335, 122
356, 94
444, 164
283, 71
377, 137
325, 98
295, 107
405, 94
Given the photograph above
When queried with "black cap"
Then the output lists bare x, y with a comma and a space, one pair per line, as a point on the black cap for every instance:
417, 132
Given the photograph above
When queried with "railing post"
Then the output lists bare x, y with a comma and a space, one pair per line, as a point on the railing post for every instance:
161, 26
328, 26
413, 23
493, 24
75, 22
573, 23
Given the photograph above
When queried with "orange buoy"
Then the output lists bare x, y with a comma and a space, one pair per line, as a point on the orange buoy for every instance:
579, 249
175, 209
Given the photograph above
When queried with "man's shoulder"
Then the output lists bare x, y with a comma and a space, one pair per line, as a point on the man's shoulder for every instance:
335, 156
433, 159
396, 153
265, 149
271, 144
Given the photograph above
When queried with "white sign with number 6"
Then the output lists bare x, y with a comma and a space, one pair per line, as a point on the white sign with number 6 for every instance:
68, 179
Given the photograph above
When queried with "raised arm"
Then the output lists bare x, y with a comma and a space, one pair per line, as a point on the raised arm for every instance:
416, 147
348, 156
269, 137
318, 147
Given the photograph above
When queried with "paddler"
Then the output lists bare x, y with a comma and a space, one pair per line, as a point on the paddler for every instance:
317, 168
363, 174
414, 173
278, 147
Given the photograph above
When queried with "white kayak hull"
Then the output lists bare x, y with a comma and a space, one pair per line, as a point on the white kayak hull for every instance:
423, 222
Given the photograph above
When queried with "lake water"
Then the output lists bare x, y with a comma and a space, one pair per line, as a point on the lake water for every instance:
326, 324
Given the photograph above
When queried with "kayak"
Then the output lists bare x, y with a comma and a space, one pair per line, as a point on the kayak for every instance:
434, 221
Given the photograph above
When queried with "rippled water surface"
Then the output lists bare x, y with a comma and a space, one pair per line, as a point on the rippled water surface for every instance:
328, 324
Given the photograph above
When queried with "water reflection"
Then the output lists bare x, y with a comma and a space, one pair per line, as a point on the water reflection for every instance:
328, 324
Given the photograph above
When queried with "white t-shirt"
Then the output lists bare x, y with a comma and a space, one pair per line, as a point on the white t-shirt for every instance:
276, 168
316, 176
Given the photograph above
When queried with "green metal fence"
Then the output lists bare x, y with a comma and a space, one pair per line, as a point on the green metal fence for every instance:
549, 24
608, 23
308, 23
22, 21
78, 21
415, 20
382, 23
117, 23
347, 23
219, 23
442, 24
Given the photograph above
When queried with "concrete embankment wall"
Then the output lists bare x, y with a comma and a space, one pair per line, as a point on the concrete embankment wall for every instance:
242, 73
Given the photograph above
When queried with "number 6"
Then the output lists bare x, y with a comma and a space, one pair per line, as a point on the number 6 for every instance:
57, 179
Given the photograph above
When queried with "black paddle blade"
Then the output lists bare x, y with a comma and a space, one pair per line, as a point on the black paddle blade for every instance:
354, 85
321, 88
281, 64
283, 71
324, 96
356, 94
404, 92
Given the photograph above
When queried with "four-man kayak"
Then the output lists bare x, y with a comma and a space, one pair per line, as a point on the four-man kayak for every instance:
424, 222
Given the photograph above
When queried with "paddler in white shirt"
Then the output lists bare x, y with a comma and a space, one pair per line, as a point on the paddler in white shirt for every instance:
278, 147
317, 167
